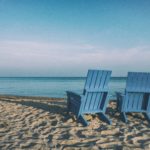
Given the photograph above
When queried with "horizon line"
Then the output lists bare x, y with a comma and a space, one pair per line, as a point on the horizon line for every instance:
54, 77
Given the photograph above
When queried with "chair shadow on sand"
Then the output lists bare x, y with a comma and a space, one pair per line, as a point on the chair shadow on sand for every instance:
57, 107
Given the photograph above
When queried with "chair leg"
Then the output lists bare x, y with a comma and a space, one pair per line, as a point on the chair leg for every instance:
104, 118
118, 105
83, 120
68, 112
68, 109
68, 105
147, 115
124, 117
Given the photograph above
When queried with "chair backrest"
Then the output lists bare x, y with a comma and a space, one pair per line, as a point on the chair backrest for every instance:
137, 92
95, 90
138, 82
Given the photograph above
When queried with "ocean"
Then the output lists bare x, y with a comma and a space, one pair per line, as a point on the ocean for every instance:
52, 86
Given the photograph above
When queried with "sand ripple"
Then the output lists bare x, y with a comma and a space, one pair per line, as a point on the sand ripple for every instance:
37, 123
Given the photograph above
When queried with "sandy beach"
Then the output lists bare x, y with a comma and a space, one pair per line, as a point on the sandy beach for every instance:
43, 123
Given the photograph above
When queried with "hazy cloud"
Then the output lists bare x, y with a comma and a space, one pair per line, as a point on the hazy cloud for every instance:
26, 56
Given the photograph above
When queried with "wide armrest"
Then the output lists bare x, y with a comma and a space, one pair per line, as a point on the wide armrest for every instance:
72, 96
73, 93
120, 97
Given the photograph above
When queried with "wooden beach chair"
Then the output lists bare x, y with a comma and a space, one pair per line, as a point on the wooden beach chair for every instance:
137, 95
94, 98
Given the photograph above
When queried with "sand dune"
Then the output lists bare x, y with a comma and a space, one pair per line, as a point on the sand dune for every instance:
42, 123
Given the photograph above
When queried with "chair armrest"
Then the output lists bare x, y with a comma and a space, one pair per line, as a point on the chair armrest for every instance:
120, 97
73, 97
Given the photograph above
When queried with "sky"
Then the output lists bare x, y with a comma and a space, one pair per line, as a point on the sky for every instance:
68, 37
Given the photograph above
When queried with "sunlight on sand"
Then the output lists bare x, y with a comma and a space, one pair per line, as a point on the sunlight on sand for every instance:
43, 123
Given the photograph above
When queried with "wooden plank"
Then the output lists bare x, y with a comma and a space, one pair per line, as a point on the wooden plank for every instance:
145, 82
104, 73
106, 100
101, 78
127, 102
141, 80
136, 102
129, 81
124, 103
140, 102
107, 79
132, 84
148, 107
88, 101
130, 101
88, 79
93, 80
136, 85
148, 83
98, 79
92, 101
135, 96
97, 99
100, 101
84, 104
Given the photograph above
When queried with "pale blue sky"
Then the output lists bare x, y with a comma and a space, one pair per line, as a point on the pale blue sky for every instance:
68, 37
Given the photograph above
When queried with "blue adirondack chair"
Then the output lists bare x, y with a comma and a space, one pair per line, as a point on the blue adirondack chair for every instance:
137, 95
94, 98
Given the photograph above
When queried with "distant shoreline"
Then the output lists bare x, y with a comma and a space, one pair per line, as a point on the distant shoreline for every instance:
36, 97
30, 97
63, 77
55, 87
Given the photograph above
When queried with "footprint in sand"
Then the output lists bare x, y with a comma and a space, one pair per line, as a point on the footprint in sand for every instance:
54, 123
80, 134
139, 140
52, 117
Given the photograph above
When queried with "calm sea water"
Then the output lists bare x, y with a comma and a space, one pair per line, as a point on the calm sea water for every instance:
52, 86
